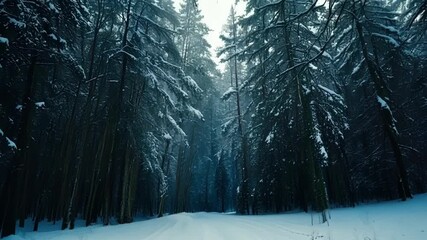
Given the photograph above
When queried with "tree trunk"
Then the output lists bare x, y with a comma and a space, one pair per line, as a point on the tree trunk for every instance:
160, 191
314, 193
243, 197
386, 115
14, 181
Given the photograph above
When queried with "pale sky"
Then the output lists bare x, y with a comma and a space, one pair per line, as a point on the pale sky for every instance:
215, 14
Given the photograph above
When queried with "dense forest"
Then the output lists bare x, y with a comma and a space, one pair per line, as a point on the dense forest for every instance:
111, 109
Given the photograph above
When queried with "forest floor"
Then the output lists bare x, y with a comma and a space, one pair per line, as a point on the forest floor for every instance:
393, 220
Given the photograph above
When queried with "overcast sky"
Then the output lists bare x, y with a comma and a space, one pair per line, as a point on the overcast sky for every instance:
215, 14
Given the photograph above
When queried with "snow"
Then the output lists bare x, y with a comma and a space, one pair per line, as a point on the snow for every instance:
17, 23
19, 107
389, 39
53, 8
13, 238
195, 112
133, 57
4, 40
325, 54
385, 106
342, 34
388, 28
382, 103
176, 126
324, 153
11, 144
346, 126
192, 84
269, 138
393, 220
312, 66
160, 114
330, 92
167, 136
307, 91
40, 104
228, 93
357, 68
53, 36
319, 141
225, 126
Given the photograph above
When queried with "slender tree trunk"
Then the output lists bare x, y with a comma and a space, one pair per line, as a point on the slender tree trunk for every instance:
162, 192
114, 118
243, 197
125, 187
386, 115
206, 200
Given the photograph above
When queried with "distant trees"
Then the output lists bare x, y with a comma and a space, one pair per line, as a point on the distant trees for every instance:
242, 159
197, 157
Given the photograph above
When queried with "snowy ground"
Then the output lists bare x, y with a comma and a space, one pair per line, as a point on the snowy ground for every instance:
382, 221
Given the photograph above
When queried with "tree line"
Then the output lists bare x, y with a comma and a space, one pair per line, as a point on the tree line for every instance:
99, 110
333, 108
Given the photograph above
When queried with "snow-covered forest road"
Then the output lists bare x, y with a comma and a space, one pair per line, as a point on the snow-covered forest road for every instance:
119, 117
382, 221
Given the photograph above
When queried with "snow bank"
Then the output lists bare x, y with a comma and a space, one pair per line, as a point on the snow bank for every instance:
392, 220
